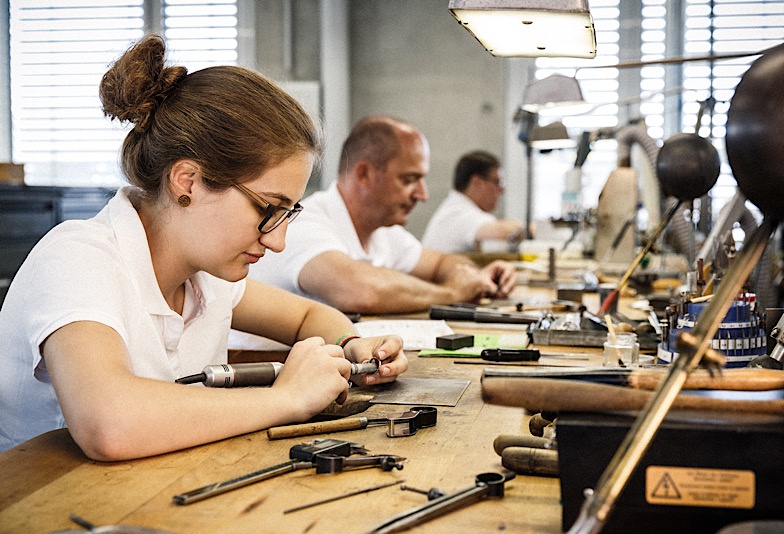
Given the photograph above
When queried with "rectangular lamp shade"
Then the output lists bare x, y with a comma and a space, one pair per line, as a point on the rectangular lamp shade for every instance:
532, 28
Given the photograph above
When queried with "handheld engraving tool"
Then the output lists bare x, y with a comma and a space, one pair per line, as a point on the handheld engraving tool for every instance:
235, 375
254, 374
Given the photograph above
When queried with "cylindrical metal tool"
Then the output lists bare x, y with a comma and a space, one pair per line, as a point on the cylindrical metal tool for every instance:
254, 374
367, 368
236, 375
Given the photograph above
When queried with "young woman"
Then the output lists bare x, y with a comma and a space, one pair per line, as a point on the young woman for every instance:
105, 314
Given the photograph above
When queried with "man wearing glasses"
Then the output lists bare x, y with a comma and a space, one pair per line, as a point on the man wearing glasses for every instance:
349, 248
465, 218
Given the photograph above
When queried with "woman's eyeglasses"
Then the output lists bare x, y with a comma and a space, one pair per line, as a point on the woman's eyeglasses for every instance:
273, 215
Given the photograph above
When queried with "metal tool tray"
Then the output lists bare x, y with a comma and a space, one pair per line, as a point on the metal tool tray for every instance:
584, 338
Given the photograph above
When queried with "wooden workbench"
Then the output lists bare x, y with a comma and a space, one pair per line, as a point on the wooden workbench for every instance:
48, 478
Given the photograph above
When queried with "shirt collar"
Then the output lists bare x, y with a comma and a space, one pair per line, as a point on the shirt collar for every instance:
134, 247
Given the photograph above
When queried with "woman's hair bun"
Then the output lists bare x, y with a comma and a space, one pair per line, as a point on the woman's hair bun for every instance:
136, 84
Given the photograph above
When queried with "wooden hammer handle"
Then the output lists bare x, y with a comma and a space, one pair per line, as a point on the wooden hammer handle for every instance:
308, 429
743, 379
547, 394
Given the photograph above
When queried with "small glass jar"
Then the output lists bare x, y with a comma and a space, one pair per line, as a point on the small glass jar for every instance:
625, 352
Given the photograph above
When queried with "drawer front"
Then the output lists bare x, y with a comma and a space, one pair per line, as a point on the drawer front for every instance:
26, 220
83, 205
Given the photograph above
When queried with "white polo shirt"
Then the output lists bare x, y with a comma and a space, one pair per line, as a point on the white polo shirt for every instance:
324, 225
100, 270
454, 224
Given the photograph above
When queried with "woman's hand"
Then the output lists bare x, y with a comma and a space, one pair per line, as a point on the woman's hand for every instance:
387, 349
315, 374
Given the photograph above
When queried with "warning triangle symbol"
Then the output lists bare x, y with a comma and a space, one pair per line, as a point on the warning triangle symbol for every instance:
666, 488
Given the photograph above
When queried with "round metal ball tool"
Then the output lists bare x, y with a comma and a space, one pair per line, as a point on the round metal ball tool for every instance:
687, 167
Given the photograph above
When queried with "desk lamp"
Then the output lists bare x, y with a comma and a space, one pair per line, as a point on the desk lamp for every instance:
550, 137
547, 96
529, 28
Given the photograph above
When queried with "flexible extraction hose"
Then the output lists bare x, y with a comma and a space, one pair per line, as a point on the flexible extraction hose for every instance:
678, 230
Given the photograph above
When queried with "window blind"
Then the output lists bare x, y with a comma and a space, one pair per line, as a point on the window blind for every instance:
709, 27
59, 51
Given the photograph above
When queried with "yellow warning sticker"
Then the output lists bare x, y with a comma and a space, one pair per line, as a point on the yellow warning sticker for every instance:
690, 486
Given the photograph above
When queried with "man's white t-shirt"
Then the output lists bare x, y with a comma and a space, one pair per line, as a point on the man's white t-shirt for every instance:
454, 224
325, 225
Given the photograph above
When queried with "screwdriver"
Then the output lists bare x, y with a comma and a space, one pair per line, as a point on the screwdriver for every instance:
254, 374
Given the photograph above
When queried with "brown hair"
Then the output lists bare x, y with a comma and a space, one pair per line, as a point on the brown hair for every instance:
374, 139
233, 122
476, 162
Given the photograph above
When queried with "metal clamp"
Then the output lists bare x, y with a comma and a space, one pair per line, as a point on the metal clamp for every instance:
407, 423
332, 463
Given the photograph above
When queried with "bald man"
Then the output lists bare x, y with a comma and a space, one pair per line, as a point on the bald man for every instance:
349, 247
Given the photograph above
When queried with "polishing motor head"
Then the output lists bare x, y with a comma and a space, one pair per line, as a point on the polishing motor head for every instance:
687, 166
755, 133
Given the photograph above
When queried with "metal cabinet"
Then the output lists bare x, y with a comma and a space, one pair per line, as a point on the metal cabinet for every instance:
28, 212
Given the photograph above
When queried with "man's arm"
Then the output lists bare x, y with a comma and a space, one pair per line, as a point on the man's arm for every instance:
357, 286
497, 279
505, 229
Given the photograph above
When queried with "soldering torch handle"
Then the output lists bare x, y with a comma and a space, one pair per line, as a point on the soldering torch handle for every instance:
242, 374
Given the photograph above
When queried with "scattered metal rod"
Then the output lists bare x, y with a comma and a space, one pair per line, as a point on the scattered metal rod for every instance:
486, 485
129, 529
342, 496
432, 493
82, 522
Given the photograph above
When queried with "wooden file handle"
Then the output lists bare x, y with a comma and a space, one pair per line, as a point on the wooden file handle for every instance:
547, 394
744, 379
531, 461
324, 427
504, 441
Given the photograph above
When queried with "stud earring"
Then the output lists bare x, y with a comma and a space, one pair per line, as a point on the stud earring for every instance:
184, 201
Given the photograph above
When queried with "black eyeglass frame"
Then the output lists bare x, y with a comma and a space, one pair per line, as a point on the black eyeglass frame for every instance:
270, 210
